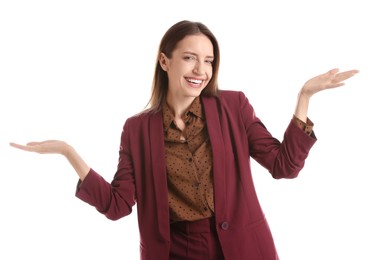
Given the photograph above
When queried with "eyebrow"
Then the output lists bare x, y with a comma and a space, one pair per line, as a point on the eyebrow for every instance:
195, 54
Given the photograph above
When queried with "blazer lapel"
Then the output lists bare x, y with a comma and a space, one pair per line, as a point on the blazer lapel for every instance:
218, 150
159, 173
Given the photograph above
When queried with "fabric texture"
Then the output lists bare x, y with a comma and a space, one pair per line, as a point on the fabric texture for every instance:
236, 135
188, 157
195, 240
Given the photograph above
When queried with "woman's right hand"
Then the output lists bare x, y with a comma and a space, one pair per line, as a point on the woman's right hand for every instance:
57, 147
45, 147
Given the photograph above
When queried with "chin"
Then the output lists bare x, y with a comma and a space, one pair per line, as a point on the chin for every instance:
195, 93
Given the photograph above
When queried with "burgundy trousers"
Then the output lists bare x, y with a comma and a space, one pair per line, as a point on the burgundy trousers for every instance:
196, 240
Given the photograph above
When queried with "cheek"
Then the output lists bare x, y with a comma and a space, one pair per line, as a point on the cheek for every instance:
210, 73
179, 69
173, 74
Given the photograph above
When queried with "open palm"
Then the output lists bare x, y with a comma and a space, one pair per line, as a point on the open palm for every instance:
328, 80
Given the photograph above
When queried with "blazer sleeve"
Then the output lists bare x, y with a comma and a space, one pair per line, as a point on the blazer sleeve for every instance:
115, 199
282, 159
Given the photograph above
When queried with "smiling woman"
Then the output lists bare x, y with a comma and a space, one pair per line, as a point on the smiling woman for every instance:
189, 70
184, 161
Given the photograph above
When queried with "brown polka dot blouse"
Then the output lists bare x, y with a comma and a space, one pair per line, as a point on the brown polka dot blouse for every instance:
189, 165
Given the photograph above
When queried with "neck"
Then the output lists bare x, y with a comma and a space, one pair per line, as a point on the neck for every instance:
179, 106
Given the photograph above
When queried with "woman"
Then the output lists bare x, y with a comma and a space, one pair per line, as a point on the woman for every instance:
185, 160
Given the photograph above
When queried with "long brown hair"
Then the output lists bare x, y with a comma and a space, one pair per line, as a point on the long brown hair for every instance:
167, 45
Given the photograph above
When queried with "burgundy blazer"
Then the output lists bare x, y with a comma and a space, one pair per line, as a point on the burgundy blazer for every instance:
236, 134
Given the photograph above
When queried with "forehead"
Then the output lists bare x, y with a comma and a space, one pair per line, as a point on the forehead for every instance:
198, 43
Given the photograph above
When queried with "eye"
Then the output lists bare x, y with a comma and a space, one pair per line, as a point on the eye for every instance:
189, 57
210, 62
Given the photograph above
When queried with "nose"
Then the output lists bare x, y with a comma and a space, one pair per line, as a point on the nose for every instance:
199, 68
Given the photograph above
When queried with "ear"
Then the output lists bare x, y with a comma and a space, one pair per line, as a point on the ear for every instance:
164, 61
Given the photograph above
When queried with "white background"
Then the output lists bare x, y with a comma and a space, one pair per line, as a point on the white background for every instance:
75, 70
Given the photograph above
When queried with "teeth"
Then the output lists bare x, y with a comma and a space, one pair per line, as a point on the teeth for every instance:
195, 81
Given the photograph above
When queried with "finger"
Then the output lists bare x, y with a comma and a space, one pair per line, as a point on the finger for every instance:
336, 85
15, 145
345, 75
328, 76
33, 143
21, 147
349, 72
332, 72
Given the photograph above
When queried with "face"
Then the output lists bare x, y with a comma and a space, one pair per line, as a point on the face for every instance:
189, 69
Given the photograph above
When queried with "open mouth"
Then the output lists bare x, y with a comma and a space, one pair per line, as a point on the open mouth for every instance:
194, 82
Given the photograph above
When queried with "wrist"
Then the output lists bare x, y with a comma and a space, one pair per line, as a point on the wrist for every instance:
67, 150
304, 94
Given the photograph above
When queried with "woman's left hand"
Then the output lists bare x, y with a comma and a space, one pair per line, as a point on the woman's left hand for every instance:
328, 80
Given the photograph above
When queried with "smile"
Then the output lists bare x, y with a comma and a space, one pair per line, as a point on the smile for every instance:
194, 81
